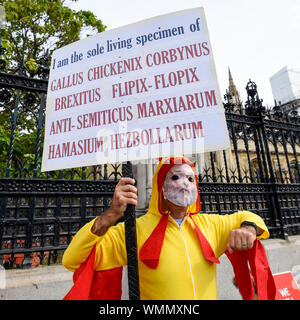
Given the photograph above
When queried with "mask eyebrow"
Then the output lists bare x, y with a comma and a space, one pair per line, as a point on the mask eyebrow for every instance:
189, 174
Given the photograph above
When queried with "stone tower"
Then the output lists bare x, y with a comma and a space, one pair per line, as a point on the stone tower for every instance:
235, 96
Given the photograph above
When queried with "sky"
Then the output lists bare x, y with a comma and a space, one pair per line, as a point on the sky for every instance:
254, 38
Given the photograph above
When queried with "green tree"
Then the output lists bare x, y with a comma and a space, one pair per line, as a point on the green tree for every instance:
31, 29
34, 26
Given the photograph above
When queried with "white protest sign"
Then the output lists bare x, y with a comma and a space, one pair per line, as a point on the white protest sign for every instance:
142, 91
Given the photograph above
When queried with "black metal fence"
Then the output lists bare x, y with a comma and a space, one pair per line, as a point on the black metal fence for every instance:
40, 212
263, 174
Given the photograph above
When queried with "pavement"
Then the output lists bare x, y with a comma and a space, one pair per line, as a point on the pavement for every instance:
45, 282
53, 282
40, 283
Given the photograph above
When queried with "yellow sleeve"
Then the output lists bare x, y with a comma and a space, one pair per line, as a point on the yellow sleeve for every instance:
223, 224
110, 250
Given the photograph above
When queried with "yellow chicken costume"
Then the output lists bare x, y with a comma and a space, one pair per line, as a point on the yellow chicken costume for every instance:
175, 262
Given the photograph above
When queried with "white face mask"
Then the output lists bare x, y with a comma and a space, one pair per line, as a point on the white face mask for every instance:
180, 185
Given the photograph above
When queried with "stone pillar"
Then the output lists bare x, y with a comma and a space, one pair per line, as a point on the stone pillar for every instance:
139, 174
149, 176
202, 163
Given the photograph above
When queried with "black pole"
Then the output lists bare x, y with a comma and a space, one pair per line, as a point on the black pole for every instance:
131, 243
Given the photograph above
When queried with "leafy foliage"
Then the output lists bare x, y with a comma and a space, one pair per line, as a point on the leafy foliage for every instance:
35, 26
33, 29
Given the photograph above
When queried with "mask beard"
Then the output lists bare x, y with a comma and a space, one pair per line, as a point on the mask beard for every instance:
180, 198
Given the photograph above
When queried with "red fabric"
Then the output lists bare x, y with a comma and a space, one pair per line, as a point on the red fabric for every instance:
205, 246
265, 284
150, 251
95, 285
257, 259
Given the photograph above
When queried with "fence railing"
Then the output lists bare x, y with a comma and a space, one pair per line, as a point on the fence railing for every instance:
40, 212
261, 170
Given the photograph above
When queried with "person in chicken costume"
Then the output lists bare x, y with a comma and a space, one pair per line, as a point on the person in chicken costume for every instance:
177, 246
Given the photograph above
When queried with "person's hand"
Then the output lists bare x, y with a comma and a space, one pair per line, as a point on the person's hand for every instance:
241, 239
125, 193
